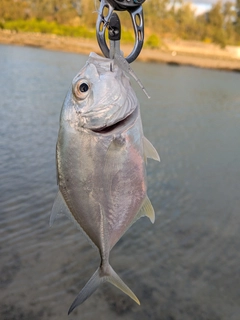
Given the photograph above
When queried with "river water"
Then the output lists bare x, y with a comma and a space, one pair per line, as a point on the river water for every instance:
186, 265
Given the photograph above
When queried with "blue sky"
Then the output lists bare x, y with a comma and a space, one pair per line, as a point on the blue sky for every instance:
204, 5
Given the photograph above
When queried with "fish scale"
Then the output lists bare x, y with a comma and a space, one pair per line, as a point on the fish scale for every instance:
101, 155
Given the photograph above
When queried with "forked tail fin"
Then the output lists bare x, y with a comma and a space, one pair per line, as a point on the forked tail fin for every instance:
97, 278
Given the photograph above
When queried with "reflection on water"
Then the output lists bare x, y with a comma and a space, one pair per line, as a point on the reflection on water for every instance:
186, 266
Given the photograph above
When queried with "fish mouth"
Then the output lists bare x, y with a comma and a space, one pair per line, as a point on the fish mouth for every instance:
121, 124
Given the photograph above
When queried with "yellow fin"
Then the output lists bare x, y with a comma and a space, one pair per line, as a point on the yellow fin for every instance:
149, 150
147, 210
117, 282
104, 273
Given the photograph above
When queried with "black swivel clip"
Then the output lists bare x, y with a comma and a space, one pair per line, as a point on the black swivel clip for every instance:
134, 7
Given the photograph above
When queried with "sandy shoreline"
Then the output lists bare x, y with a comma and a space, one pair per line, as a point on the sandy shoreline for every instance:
176, 53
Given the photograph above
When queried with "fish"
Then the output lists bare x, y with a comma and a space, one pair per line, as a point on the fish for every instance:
101, 157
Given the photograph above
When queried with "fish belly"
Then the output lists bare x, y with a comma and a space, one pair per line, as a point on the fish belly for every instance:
102, 179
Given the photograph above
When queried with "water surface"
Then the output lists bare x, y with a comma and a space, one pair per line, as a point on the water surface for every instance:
185, 266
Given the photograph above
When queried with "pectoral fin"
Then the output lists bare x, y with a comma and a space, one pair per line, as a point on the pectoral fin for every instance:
149, 150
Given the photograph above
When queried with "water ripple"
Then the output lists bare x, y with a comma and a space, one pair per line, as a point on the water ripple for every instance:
187, 260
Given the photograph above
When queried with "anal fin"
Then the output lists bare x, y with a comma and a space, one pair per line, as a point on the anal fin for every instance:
145, 210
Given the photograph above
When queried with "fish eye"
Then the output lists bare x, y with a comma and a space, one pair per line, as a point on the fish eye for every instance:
81, 89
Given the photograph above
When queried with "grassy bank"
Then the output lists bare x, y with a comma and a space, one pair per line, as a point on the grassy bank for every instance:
45, 27
173, 52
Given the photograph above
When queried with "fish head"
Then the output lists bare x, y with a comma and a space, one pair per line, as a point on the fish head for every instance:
101, 95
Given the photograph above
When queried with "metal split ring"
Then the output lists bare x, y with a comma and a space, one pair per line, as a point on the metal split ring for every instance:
136, 14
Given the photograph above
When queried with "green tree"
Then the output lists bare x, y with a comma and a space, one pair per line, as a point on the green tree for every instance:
215, 21
155, 13
186, 19
229, 17
13, 10
163, 18
62, 12
215, 16
237, 26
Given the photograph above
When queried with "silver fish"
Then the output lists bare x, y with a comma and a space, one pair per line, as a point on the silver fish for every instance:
101, 156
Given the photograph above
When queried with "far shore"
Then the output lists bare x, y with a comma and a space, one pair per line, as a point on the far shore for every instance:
175, 52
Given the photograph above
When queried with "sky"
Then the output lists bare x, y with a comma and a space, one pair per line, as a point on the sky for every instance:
202, 6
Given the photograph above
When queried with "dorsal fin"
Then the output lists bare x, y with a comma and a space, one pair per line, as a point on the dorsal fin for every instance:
149, 150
